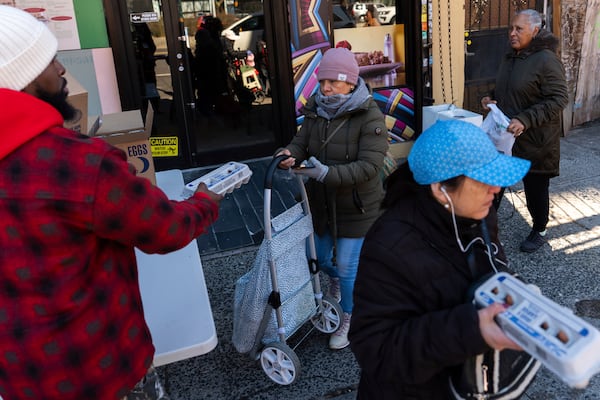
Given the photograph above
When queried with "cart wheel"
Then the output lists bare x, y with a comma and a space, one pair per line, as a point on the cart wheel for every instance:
259, 96
329, 318
280, 363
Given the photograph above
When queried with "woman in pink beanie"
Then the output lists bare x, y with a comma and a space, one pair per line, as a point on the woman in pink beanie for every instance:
344, 137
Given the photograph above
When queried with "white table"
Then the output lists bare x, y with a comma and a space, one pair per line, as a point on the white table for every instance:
176, 303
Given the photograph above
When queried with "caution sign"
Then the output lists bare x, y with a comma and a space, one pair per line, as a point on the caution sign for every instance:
164, 146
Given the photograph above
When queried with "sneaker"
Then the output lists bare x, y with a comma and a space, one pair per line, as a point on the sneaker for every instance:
533, 242
339, 339
334, 289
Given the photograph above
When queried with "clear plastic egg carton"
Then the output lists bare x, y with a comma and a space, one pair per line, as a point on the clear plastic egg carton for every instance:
564, 343
222, 180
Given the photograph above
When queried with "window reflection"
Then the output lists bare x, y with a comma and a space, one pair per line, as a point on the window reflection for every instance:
230, 75
375, 39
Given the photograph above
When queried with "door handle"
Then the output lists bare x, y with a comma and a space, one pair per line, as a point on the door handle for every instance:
467, 52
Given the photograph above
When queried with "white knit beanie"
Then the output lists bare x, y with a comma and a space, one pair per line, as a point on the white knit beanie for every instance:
27, 47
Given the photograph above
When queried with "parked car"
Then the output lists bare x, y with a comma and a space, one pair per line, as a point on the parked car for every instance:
387, 15
359, 10
250, 28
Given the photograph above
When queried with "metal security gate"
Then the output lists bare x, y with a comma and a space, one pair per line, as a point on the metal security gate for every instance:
486, 41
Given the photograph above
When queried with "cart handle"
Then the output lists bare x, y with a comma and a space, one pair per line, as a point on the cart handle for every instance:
271, 169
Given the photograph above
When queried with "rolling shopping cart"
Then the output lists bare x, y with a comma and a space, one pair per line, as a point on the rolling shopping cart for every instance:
282, 291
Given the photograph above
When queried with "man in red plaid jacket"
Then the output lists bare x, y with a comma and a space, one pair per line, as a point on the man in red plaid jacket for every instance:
71, 213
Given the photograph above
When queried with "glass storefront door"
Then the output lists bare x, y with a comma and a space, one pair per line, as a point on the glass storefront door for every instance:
216, 100
231, 77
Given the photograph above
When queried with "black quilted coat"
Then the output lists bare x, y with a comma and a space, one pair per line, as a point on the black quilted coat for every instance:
411, 322
531, 87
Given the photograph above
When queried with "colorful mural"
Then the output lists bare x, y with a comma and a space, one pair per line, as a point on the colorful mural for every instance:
309, 39
380, 55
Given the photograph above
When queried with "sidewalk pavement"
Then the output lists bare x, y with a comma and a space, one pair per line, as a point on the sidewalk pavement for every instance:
566, 269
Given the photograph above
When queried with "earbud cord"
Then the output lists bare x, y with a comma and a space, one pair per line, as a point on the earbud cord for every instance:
488, 244
485, 233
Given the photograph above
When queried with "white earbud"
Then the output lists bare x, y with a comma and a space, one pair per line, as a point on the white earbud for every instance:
450, 206
443, 189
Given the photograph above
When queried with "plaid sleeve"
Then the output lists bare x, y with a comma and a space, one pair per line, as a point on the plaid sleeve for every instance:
132, 211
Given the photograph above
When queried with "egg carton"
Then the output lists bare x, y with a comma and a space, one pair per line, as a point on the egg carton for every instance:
564, 343
222, 180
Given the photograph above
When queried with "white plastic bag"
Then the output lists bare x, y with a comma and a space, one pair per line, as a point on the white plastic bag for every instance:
495, 124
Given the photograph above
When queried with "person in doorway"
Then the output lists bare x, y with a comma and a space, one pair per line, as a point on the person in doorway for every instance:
372, 17
344, 136
262, 63
531, 90
72, 323
210, 67
144, 53
412, 322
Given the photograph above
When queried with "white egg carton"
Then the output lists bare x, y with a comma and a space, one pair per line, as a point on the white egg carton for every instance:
564, 343
222, 180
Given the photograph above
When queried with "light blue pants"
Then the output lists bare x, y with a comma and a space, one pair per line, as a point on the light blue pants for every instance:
347, 254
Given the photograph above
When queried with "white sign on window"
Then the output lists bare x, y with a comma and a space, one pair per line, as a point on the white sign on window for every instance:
59, 15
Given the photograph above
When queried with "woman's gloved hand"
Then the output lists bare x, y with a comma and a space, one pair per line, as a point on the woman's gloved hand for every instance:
318, 171
288, 162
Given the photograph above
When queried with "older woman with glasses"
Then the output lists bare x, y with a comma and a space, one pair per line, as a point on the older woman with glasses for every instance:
532, 91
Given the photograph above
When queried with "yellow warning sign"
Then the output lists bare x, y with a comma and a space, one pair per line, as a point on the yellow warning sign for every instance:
164, 146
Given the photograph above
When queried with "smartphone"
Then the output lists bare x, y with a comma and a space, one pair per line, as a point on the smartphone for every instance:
303, 165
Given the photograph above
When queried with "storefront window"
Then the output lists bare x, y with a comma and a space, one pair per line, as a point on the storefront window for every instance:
376, 40
225, 55
378, 45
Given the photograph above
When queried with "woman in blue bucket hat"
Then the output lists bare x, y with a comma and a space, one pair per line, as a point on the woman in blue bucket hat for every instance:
412, 322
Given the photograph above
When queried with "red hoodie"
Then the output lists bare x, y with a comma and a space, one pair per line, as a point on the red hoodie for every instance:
71, 318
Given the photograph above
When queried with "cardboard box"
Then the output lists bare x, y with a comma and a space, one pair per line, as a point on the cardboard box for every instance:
430, 114
127, 131
447, 111
463, 115
78, 98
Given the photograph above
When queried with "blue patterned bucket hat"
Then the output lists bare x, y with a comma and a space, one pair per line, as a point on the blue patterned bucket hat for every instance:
452, 148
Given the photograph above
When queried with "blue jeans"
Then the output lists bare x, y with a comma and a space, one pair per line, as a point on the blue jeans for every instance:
347, 254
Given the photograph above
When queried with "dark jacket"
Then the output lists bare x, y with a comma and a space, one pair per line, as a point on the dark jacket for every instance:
531, 87
352, 190
411, 321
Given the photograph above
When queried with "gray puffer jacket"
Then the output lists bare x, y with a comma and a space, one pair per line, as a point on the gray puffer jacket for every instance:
351, 193
531, 87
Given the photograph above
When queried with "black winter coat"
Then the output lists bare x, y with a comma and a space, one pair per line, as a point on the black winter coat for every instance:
411, 322
531, 87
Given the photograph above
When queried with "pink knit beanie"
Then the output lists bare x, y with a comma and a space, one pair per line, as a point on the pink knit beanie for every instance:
338, 64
